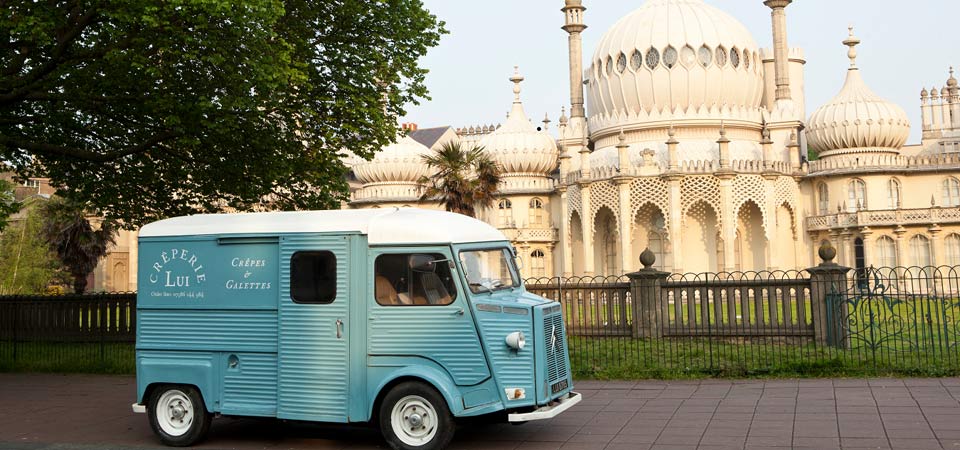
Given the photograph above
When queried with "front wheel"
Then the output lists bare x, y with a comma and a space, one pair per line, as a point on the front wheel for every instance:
178, 416
413, 416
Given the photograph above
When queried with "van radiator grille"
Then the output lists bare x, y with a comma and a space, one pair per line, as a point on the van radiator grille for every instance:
556, 342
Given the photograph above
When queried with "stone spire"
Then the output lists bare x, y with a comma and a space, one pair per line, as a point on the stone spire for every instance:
573, 11
780, 55
852, 42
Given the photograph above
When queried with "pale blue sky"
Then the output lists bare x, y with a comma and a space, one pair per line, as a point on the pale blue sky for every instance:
905, 48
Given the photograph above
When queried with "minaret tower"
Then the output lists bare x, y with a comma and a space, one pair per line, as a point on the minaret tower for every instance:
573, 12
573, 24
780, 54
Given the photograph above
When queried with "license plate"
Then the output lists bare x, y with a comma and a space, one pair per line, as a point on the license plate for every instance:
558, 386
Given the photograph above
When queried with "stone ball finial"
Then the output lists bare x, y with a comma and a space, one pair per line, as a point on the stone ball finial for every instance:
827, 252
648, 258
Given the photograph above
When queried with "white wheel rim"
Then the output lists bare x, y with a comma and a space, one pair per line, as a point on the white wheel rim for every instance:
414, 420
174, 413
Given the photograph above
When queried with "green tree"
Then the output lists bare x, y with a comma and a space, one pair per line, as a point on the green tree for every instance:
71, 236
8, 203
464, 179
27, 265
148, 109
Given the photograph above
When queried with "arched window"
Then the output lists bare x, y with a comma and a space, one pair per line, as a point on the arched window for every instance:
538, 267
536, 212
857, 195
823, 195
920, 251
952, 244
505, 210
951, 192
886, 252
893, 193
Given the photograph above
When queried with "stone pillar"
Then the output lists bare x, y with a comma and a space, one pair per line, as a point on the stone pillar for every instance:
574, 26
626, 224
767, 144
781, 59
645, 290
847, 254
674, 164
724, 144
134, 258
937, 112
676, 221
936, 245
926, 112
566, 249
793, 149
728, 222
828, 288
587, 222
774, 247
948, 123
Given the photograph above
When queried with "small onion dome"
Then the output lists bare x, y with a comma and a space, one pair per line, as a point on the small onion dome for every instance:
951, 82
675, 54
924, 93
857, 119
400, 162
517, 146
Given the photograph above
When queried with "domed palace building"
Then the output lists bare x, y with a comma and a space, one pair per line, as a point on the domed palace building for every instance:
687, 138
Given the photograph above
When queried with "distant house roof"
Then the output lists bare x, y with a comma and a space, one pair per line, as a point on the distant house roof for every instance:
429, 136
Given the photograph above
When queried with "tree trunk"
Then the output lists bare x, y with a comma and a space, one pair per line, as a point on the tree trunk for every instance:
79, 283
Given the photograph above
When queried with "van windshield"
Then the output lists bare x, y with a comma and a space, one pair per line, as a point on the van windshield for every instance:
489, 270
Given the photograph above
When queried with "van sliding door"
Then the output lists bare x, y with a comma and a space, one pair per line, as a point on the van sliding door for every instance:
313, 344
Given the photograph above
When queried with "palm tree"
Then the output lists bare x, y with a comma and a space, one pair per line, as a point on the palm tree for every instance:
465, 178
71, 236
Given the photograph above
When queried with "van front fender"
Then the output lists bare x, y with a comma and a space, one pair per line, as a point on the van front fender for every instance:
386, 372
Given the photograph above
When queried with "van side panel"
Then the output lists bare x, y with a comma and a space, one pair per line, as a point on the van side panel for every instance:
207, 316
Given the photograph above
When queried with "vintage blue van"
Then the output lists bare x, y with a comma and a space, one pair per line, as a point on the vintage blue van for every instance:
405, 318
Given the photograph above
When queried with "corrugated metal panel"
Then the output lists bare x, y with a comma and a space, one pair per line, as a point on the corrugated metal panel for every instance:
238, 331
250, 389
513, 369
313, 362
435, 332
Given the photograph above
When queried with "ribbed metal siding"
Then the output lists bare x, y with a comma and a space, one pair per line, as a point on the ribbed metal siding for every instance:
435, 332
513, 369
251, 388
556, 361
313, 362
237, 331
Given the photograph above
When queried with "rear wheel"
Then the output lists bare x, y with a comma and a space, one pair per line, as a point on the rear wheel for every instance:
413, 416
178, 416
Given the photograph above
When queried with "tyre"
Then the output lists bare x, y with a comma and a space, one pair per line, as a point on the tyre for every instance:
178, 415
414, 416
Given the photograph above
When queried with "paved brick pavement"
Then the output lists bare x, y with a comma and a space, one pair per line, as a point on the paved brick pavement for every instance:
85, 412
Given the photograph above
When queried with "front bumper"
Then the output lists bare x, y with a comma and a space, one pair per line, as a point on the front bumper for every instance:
549, 411
138, 408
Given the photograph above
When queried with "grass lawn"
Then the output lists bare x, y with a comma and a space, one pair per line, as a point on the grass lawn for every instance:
112, 358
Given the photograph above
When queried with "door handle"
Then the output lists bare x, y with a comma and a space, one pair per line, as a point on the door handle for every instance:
458, 312
339, 328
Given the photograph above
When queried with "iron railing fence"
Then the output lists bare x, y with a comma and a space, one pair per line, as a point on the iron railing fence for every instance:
822, 320
89, 332
648, 323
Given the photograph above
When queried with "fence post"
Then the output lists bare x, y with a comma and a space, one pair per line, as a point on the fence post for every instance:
645, 289
828, 289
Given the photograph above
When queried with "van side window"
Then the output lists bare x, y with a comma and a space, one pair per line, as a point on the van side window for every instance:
413, 280
313, 277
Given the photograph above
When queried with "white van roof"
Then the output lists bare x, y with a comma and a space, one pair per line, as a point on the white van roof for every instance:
382, 226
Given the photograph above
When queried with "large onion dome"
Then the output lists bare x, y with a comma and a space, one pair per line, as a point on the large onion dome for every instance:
400, 162
857, 120
518, 147
682, 56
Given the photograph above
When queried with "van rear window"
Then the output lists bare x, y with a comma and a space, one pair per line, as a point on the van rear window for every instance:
313, 277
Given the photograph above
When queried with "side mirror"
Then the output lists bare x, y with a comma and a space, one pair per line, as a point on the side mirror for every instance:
423, 263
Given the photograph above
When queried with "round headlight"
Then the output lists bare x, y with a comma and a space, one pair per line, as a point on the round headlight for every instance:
516, 340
